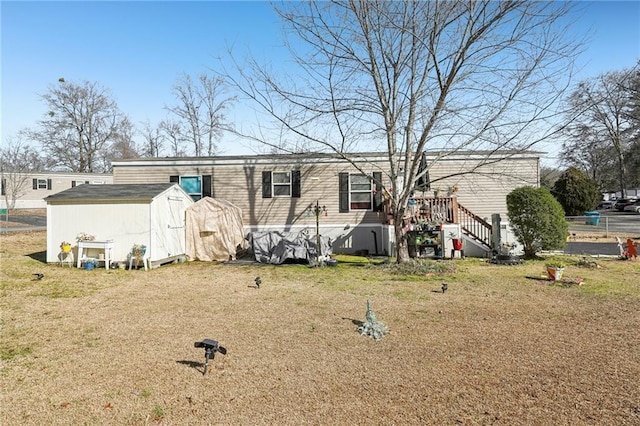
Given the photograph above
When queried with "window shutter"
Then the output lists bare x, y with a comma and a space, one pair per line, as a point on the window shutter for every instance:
377, 196
295, 184
4, 190
343, 191
206, 186
35, 184
73, 183
266, 184
48, 183
174, 179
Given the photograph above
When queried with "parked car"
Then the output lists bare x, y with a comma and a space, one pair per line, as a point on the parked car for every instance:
633, 207
622, 203
606, 204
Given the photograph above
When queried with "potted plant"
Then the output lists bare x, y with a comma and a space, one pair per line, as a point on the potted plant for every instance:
83, 236
555, 269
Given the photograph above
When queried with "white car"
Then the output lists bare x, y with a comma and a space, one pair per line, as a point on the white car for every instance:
633, 207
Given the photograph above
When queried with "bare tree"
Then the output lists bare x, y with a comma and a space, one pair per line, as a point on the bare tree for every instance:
174, 132
122, 147
410, 76
586, 151
154, 139
17, 161
81, 124
602, 123
201, 110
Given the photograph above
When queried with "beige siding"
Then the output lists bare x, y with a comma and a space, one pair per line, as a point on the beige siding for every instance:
242, 186
34, 198
239, 181
484, 192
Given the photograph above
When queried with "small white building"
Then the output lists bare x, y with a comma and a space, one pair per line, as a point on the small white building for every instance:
152, 215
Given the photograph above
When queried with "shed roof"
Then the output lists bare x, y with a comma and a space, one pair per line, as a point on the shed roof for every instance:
118, 192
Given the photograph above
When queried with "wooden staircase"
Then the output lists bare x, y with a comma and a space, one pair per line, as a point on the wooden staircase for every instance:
448, 210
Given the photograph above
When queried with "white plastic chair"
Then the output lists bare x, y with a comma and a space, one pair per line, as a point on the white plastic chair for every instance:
66, 258
145, 260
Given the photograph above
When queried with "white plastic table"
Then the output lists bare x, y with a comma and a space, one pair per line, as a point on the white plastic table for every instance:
106, 246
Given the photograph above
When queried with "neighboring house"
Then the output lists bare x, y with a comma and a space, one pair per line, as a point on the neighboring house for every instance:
35, 187
152, 215
279, 192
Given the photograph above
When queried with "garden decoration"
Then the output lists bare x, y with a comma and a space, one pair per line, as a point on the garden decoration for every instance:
631, 251
505, 255
555, 270
372, 327
137, 253
65, 247
210, 349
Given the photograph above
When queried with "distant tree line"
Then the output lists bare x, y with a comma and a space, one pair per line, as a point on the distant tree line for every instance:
84, 130
603, 131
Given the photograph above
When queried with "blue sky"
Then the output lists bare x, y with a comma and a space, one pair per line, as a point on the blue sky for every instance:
137, 50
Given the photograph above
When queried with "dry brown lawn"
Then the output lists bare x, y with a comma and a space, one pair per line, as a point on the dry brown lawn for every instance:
501, 346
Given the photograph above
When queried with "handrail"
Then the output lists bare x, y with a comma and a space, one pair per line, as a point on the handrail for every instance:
436, 209
475, 226
448, 210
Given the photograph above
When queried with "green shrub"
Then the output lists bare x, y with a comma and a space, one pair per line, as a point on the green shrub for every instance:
537, 219
576, 192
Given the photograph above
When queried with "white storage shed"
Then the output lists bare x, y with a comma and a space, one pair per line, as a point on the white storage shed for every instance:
125, 215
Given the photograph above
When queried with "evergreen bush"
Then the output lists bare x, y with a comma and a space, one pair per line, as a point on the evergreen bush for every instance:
537, 219
576, 192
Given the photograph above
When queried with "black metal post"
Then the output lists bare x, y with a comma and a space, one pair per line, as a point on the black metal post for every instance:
319, 248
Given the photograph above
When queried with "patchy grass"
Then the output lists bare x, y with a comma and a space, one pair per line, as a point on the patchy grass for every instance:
503, 345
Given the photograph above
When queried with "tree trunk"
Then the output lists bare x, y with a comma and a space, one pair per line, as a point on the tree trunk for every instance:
402, 247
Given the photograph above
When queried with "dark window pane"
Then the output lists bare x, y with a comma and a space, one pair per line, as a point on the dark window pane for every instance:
281, 190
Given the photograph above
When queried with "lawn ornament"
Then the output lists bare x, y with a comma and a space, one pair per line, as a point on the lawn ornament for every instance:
372, 327
210, 349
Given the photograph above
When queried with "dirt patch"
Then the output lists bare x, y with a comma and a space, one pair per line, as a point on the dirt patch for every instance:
501, 346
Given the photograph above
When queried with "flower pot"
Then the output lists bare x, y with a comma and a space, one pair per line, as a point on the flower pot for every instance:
457, 243
554, 273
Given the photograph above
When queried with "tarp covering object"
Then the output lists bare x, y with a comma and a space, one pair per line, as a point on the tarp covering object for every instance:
214, 230
277, 247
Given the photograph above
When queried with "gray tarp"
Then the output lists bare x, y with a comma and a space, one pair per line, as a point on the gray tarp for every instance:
214, 230
277, 247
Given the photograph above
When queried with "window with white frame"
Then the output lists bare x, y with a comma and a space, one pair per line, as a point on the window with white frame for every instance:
41, 184
360, 193
281, 182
